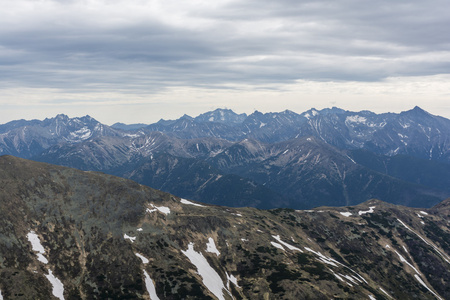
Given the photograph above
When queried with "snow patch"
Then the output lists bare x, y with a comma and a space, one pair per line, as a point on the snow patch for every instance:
139, 229
210, 278
58, 287
211, 247
362, 212
346, 214
424, 213
37, 246
82, 134
150, 286
163, 209
184, 201
372, 297
355, 119
131, 238
143, 258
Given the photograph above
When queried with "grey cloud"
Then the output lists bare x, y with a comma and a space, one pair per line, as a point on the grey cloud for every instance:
313, 40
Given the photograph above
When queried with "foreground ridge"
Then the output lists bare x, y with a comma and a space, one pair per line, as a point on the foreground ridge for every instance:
69, 234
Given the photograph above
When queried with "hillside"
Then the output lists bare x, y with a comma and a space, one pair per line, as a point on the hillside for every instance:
72, 234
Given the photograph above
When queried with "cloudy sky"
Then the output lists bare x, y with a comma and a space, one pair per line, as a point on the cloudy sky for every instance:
142, 60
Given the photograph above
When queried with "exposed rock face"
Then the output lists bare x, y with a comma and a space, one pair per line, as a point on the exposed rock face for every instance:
71, 234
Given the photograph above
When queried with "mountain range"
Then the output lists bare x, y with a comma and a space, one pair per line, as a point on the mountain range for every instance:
320, 157
72, 234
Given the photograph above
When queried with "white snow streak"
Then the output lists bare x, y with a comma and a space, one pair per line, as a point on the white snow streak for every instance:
1, 296
143, 258
184, 201
290, 247
416, 276
211, 247
232, 279
333, 262
402, 259
131, 238
37, 246
444, 256
423, 212
58, 287
423, 283
276, 245
385, 293
211, 279
351, 159
372, 297
339, 276
323, 258
150, 287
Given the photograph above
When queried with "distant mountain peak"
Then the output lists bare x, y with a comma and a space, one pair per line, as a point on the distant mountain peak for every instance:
416, 111
221, 115
186, 117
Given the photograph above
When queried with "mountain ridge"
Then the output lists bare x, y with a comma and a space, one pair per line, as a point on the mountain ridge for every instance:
71, 234
253, 142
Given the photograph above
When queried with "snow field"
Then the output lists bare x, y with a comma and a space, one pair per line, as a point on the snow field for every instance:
143, 258
184, 201
37, 246
58, 287
363, 212
210, 278
131, 238
211, 247
150, 286
163, 209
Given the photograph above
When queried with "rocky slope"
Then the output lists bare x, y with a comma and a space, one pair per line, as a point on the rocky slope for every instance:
298, 173
70, 234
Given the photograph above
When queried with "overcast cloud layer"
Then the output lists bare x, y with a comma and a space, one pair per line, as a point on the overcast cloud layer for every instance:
135, 60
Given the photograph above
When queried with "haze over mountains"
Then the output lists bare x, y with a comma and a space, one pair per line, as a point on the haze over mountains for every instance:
70, 234
327, 157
